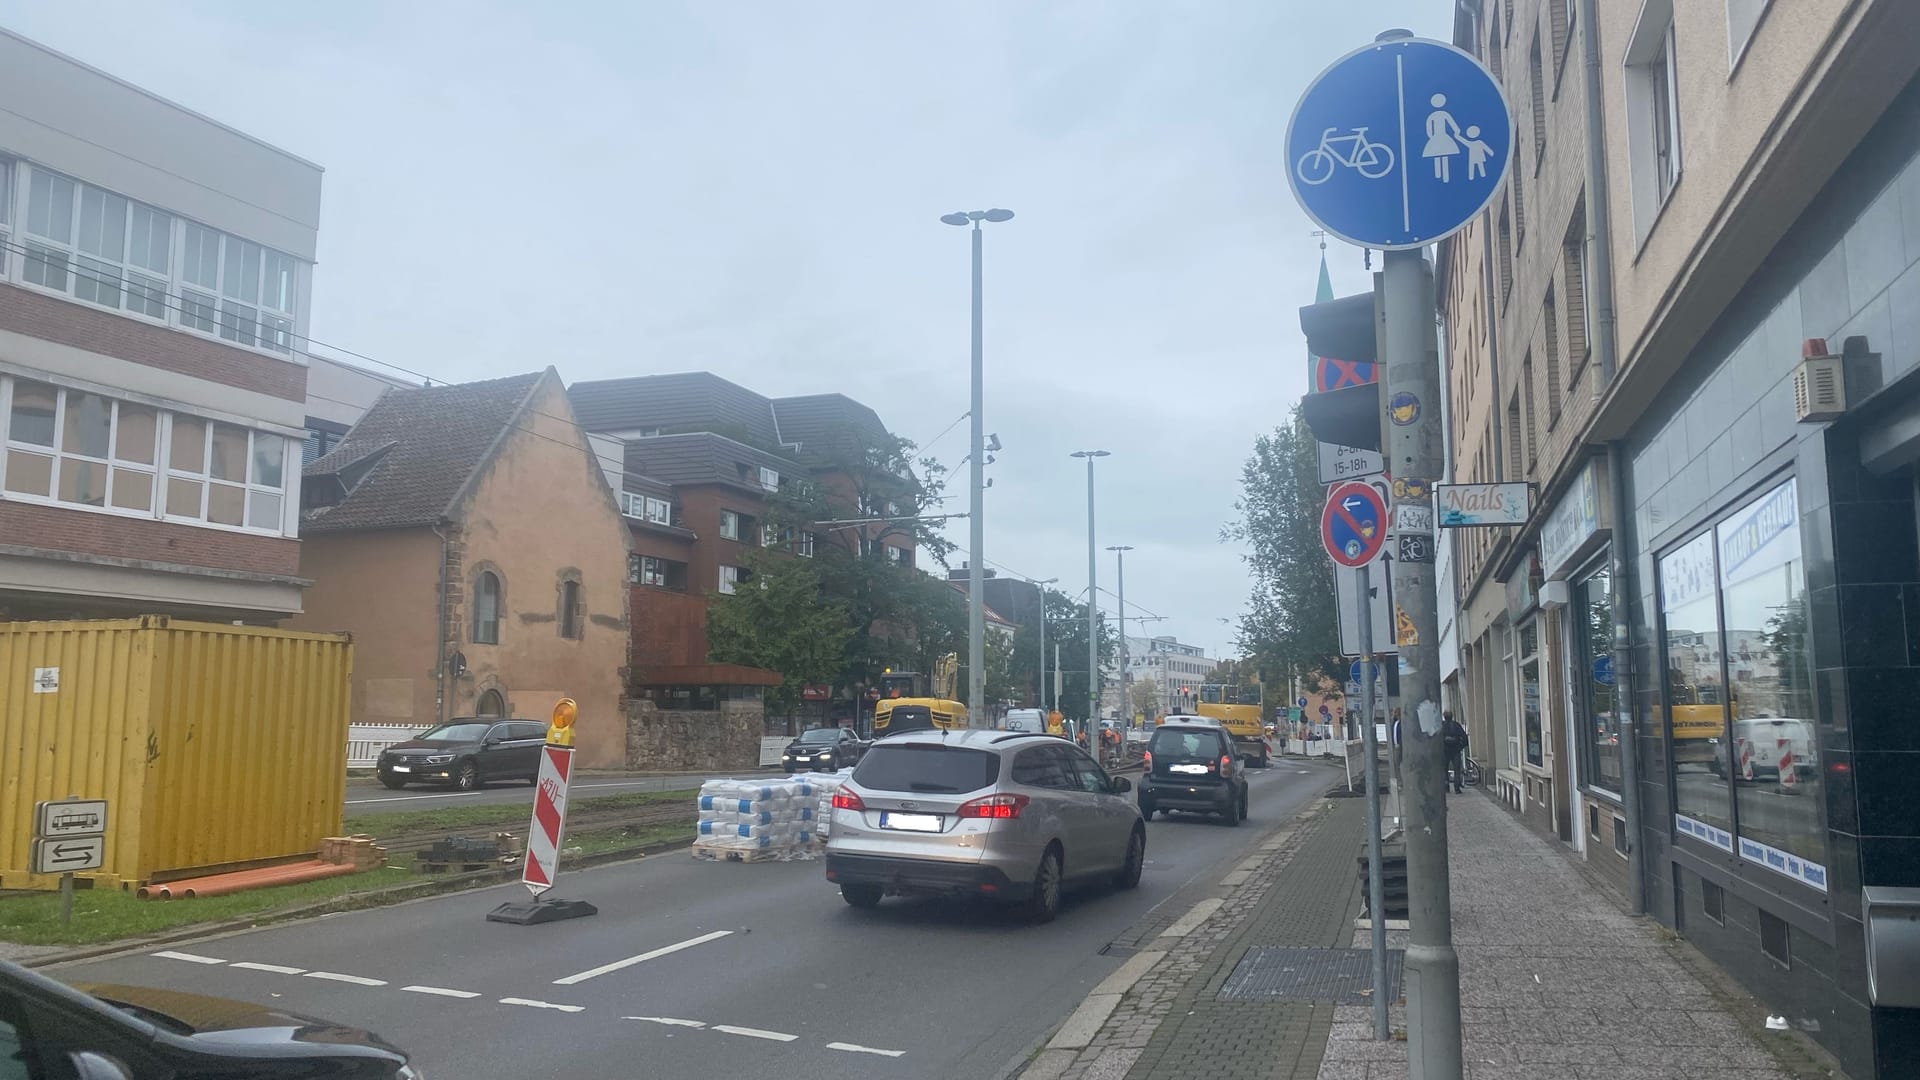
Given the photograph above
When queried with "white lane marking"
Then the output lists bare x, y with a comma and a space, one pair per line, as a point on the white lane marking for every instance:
670, 1021
532, 1004
191, 958
440, 991
277, 969
334, 976
1191, 921
642, 958
855, 1048
755, 1033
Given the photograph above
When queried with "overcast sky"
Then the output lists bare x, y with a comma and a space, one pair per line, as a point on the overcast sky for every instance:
753, 187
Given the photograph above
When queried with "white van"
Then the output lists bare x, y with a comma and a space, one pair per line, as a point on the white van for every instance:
1027, 720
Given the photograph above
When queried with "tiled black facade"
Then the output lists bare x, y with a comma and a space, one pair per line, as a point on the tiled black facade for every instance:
1724, 430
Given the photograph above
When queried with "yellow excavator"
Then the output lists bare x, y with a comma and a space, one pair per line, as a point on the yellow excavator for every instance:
907, 705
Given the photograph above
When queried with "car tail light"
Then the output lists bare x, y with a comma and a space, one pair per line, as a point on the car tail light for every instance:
1149, 756
994, 806
1226, 764
847, 800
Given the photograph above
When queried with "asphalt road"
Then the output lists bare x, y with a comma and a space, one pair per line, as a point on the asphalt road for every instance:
732, 970
370, 797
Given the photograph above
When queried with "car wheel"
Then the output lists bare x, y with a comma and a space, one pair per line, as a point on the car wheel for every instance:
862, 896
1136, 859
393, 782
468, 778
1231, 815
1262, 763
1043, 901
1243, 808
1147, 810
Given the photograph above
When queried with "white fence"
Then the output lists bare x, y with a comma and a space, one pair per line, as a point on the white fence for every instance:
365, 741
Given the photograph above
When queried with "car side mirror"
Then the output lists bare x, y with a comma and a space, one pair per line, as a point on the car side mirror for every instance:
1121, 785
491, 740
88, 1065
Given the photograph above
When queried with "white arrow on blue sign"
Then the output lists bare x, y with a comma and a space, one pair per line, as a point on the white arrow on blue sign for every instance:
1398, 144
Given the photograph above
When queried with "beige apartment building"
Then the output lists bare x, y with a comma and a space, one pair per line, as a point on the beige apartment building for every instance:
1692, 323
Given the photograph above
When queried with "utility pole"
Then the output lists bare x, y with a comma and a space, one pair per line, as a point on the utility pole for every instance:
1093, 594
1120, 562
1040, 688
1414, 452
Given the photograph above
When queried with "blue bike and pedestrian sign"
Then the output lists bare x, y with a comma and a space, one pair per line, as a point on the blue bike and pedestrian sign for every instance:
1398, 144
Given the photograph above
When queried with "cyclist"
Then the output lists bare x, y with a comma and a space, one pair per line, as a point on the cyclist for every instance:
1455, 740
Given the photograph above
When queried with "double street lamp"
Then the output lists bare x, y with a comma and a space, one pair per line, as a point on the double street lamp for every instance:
976, 624
1093, 595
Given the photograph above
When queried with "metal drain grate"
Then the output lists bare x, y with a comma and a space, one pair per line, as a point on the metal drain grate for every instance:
1340, 976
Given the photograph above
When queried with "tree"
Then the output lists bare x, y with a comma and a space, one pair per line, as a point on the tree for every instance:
1291, 627
1067, 630
778, 621
1146, 696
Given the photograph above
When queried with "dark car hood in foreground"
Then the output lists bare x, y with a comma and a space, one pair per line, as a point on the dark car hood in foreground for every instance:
228, 1022
427, 744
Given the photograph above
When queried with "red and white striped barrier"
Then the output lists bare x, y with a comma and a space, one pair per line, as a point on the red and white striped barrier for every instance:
549, 819
1789, 772
1746, 759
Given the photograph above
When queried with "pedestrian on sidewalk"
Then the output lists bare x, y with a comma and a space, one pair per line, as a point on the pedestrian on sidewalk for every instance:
1455, 740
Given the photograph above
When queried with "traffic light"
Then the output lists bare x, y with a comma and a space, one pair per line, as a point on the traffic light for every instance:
1344, 328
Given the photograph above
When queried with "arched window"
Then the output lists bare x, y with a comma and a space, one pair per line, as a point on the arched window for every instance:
486, 608
491, 703
571, 615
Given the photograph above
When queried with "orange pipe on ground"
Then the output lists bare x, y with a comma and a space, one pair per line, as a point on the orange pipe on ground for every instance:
221, 884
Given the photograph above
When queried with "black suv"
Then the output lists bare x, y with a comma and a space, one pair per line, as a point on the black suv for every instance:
1193, 767
823, 749
466, 753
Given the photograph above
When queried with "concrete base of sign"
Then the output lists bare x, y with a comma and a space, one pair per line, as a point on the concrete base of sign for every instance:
543, 910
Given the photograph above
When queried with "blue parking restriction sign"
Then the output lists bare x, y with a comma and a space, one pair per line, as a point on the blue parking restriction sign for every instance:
1399, 143
1353, 524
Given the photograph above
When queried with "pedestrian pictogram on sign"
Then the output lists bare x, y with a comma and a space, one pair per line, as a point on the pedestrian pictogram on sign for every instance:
1353, 526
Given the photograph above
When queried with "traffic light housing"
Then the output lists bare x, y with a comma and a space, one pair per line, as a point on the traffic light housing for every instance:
1347, 328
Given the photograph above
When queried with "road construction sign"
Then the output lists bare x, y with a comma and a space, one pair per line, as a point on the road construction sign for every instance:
549, 819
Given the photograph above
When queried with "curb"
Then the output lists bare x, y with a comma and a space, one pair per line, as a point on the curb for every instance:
386, 896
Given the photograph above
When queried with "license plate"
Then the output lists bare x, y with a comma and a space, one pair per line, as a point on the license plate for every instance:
1188, 768
402, 768
910, 822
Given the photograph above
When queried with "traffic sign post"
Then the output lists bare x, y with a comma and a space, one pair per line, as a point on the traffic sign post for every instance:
546, 829
69, 836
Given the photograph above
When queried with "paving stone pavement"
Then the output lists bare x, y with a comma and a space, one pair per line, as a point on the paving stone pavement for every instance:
1555, 980
1302, 890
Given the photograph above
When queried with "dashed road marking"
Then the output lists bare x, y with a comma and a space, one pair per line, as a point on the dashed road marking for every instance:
642, 958
532, 1004
670, 1021
356, 980
440, 991
855, 1048
756, 1033
191, 958
277, 969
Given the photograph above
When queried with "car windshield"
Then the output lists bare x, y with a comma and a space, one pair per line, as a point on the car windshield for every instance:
458, 731
820, 735
1193, 745
926, 768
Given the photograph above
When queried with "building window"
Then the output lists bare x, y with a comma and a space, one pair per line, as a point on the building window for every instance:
1516, 468
1573, 257
1537, 88
1506, 249
491, 704
322, 437
1653, 113
1526, 390
86, 450
1551, 312
1531, 724
1743, 18
573, 614
646, 508
1593, 637
106, 249
769, 479
1561, 13
730, 524
657, 572
773, 536
1495, 62
486, 608
900, 555
731, 577
803, 545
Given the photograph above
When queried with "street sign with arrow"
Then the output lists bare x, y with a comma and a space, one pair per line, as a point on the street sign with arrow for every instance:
69, 855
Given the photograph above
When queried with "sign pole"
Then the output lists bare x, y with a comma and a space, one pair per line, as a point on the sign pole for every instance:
1376, 909
1410, 353
66, 898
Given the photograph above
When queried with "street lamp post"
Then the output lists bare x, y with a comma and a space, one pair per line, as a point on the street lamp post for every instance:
1043, 639
1120, 577
1093, 596
977, 711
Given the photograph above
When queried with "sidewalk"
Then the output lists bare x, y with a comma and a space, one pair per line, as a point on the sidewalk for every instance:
1555, 979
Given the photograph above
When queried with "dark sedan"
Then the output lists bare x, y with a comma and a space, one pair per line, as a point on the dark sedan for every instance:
49, 1029
467, 753
823, 750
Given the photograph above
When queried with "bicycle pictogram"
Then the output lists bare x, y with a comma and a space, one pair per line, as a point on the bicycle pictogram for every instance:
1370, 159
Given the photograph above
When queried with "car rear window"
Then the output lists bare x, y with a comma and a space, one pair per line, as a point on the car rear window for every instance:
926, 768
1196, 745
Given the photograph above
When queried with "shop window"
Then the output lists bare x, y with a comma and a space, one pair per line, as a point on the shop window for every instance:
1530, 720
1713, 901
1739, 690
1774, 940
1593, 652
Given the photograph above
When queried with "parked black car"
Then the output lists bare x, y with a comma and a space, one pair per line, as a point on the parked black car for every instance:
1193, 767
825, 749
49, 1029
467, 753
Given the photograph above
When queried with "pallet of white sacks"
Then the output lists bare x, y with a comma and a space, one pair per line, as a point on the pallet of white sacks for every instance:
715, 853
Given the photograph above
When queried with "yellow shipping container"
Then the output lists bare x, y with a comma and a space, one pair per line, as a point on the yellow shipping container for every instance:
216, 746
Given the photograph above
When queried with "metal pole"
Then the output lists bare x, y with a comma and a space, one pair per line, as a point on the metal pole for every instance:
1415, 456
1041, 690
1376, 909
1093, 608
1120, 561
978, 713
66, 899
